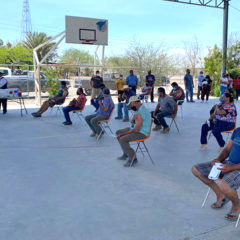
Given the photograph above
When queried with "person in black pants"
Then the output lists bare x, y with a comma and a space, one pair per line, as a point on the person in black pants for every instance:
3, 85
150, 79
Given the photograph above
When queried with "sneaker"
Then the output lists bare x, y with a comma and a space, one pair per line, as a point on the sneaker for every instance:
67, 123
93, 134
203, 146
128, 163
165, 130
123, 157
125, 120
118, 118
157, 127
36, 115
192, 101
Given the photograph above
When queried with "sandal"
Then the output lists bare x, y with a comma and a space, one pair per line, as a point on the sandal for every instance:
232, 216
220, 204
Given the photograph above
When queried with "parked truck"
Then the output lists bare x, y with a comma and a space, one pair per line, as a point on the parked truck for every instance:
25, 80
109, 79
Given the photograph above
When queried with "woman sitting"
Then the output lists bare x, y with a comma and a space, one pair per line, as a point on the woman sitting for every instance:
206, 88
223, 117
75, 104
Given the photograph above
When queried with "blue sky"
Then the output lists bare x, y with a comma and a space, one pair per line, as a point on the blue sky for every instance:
154, 21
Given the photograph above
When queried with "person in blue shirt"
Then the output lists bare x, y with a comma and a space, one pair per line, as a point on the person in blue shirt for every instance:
230, 176
141, 127
132, 81
123, 104
95, 101
188, 82
200, 80
150, 79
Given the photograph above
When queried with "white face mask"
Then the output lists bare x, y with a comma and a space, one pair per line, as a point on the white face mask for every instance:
98, 74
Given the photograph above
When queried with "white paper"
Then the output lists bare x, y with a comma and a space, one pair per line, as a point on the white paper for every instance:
215, 172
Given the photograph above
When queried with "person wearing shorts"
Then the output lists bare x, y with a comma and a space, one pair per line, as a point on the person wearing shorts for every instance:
230, 176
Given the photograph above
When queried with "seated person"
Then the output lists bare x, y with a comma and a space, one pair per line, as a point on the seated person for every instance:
146, 90
141, 126
95, 101
177, 93
230, 182
123, 104
223, 117
103, 113
75, 104
59, 99
166, 107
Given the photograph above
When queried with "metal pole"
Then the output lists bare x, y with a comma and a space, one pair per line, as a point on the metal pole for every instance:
225, 35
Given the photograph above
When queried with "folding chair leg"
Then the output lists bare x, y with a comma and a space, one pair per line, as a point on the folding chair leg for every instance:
209, 136
176, 125
206, 197
134, 155
148, 153
237, 220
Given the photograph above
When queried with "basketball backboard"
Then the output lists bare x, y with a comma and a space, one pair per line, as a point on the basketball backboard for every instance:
86, 30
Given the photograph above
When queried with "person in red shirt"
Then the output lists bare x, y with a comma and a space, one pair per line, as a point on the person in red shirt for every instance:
75, 104
236, 83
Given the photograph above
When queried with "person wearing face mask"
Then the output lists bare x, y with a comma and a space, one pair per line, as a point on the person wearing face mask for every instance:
141, 125
58, 99
223, 83
119, 85
150, 79
200, 79
177, 92
206, 88
132, 81
189, 85
224, 117
146, 90
105, 108
75, 104
95, 101
95, 84
166, 107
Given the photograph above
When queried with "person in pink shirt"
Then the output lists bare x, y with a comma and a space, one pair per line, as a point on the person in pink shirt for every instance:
75, 104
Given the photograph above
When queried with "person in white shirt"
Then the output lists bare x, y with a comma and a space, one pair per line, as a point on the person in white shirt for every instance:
200, 79
223, 83
3, 85
146, 90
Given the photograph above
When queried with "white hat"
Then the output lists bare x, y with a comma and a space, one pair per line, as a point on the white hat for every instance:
133, 99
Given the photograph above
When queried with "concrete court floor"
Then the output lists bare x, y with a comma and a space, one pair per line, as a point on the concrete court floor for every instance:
57, 183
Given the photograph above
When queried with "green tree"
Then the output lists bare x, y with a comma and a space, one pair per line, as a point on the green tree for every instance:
18, 54
35, 39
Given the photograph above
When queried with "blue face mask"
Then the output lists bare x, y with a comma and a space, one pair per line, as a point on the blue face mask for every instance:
61, 86
174, 89
222, 100
158, 94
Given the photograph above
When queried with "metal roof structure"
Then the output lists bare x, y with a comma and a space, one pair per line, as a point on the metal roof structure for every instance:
204, 3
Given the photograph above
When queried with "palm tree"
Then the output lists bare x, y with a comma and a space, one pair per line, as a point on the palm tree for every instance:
35, 39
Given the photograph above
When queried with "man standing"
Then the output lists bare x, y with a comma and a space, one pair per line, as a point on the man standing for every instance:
3, 85
141, 126
132, 81
230, 171
150, 78
103, 113
119, 85
166, 107
188, 81
200, 79
236, 82
95, 84
123, 104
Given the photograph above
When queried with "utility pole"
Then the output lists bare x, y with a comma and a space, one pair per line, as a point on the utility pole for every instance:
26, 20
220, 4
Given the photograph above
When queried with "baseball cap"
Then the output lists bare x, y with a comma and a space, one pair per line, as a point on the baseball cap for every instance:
106, 91
133, 99
131, 71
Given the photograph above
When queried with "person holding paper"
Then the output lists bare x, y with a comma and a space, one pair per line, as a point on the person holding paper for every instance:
230, 176
224, 117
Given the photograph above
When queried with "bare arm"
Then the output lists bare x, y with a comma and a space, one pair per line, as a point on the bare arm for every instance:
102, 107
156, 109
62, 97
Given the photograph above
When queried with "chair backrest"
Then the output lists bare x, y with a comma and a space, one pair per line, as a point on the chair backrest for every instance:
149, 135
235, 126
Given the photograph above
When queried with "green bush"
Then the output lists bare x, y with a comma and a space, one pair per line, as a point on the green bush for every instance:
52, 84
234, 73
216, 91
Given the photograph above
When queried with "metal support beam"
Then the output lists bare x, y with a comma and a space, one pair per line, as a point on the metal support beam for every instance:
225, 36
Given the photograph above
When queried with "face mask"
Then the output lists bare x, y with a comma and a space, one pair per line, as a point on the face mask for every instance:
222, 100
158, 94
134, 108
174, 89
98, 74
61, 86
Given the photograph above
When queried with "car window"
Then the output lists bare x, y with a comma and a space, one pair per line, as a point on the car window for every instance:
4, 72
